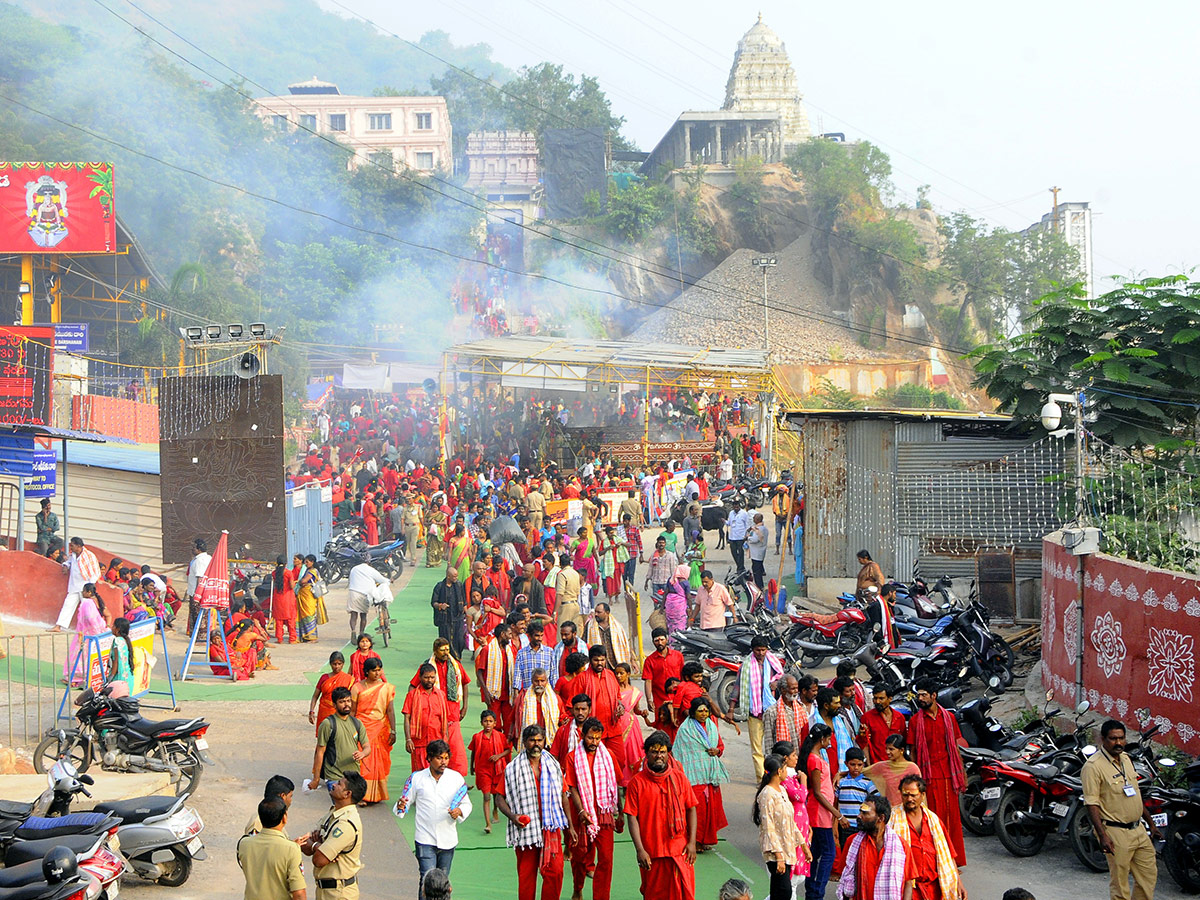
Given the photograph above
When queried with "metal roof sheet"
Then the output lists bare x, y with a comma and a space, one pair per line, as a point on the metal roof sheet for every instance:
585, 352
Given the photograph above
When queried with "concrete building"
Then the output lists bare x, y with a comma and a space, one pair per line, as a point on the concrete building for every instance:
762, 80
409, 132
1074, 222
763, 115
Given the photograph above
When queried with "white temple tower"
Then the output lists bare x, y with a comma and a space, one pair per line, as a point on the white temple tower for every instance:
762, 80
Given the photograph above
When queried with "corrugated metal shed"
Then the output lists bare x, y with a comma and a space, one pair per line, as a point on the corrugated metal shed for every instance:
925, 492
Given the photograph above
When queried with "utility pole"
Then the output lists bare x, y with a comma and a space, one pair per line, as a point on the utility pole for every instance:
765, 263
1054, 212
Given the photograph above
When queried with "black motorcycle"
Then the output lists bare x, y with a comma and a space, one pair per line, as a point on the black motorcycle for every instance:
1178, 812
112, 732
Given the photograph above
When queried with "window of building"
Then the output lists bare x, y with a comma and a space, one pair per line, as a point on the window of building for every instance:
379, 121
279, 122
308, 122
424, 121
337, 121
383, 160
425, 160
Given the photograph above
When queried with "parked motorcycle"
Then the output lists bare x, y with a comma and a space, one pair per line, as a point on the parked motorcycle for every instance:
1177, 811
158, 836
112, 732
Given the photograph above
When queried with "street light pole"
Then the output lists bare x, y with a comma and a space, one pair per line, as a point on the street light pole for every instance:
764, 263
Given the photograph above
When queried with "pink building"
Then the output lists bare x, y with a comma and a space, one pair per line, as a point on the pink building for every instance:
410, 132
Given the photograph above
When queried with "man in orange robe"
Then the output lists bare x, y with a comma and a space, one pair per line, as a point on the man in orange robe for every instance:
425, 716
661, 810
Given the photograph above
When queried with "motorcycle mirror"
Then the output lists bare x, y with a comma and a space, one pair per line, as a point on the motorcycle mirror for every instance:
995, 726
994, 681
1049, 695
1166, 761
87, 779
1082, 708
962, 673
834, 660
1089, 750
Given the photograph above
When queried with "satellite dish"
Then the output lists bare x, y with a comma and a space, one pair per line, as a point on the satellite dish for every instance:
248, 365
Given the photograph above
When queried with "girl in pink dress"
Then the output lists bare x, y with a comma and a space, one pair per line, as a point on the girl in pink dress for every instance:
631, 728
91, 621
797, 792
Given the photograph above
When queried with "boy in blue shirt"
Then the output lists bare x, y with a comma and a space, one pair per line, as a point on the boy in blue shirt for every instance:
853, 788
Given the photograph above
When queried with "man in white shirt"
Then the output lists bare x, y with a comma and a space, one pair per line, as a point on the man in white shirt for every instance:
712, 601
365, 583
196, 569
82, 568
438, 795
756, 542
725, 468
735, 528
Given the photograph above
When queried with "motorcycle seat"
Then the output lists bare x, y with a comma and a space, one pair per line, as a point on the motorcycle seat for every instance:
977, 752
918, 652
1041, 770
146, 728
139, 809
25, 873
26, 851
36, 827
13, 809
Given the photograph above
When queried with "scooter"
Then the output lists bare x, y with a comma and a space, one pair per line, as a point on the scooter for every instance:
158, 836
55, 875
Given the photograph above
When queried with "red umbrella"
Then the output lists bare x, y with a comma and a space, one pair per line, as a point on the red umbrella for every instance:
213, 590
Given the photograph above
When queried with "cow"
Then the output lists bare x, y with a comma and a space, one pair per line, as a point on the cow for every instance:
712, 518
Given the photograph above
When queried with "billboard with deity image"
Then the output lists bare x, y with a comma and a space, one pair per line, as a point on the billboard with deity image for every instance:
57, 208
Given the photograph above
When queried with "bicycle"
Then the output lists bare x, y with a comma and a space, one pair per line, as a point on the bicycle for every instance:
385, 619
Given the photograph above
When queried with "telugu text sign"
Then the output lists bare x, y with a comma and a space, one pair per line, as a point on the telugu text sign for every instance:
631, 451
57, 208
26, 356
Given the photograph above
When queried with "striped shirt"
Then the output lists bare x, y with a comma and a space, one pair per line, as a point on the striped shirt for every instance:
851, 792
529, 659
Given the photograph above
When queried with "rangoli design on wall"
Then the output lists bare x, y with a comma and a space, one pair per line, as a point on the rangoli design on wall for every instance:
1108, 644
1171, 657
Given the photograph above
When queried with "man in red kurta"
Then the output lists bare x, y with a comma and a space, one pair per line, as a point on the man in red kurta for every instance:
425, 716
935, 738
660, 665
661, 808
599, 683
879, 723
452, 682
591, 778
570, 733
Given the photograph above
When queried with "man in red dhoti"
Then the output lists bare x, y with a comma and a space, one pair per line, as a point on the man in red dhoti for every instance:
451, 680
661, 807
425, 716
495, 672
935, 739
932, 869
590, 777
600, 684
533, 802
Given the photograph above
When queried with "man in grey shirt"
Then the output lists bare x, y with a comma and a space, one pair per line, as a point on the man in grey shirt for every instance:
756, 540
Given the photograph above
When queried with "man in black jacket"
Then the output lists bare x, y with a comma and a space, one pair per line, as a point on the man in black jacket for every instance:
449, 604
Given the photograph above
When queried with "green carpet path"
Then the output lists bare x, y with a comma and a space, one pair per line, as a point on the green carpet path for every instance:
484, 866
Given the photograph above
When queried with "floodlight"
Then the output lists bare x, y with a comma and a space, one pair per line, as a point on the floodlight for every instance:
235, 331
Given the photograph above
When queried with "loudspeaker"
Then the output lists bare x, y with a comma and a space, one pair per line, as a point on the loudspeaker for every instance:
248, 365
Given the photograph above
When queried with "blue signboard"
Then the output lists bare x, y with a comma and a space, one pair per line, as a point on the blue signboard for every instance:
71, 337
45, 474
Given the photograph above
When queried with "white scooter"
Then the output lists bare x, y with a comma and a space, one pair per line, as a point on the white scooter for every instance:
158, 836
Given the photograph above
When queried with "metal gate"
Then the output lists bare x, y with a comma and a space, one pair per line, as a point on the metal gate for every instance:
309, 519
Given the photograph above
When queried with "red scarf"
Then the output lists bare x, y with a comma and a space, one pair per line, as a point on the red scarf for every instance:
958, 774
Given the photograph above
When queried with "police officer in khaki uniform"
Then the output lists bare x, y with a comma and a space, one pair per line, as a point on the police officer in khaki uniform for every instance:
270, 862
336, 846
1114, 803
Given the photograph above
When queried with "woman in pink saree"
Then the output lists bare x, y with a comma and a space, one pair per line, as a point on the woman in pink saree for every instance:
92, 620
631, 728
586, 554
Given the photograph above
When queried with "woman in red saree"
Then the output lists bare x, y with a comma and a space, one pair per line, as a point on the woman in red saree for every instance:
242, 651
321, 705
370, 516
253, 635
373, 703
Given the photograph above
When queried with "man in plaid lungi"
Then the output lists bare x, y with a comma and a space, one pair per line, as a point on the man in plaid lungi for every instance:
531, 798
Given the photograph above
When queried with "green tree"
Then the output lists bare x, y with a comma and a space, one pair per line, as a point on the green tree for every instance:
474, 104
841, 178
544, 96
745, 196
635, 209
1134, 350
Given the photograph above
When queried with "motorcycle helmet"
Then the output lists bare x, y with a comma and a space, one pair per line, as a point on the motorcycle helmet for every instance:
59, 865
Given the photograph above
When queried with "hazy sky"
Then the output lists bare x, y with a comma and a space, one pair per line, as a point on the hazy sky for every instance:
991, 105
